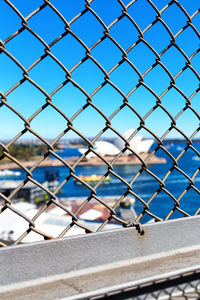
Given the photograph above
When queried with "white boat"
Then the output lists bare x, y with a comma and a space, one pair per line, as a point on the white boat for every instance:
9, 173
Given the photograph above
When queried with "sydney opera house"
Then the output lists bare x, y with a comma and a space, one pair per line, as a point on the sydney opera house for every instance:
104, 148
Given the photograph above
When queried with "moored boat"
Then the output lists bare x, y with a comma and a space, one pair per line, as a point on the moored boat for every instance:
93, 178
9, 173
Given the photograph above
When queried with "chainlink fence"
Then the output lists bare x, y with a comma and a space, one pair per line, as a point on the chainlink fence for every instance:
143, 54
179, 286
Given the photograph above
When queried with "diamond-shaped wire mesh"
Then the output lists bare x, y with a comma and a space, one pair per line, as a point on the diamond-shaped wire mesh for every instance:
182, 286
111, 64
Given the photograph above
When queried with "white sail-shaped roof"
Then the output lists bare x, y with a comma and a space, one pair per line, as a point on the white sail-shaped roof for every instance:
89, 155
144, 146
136, 143
101, 147
106, 148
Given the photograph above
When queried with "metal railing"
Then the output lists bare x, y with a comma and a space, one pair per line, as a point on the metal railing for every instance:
96, 266
125, 13
177, 286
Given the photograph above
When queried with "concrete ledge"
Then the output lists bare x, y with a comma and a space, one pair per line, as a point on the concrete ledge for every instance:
71, 266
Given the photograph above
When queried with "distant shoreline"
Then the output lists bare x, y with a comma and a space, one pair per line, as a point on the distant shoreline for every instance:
95, 161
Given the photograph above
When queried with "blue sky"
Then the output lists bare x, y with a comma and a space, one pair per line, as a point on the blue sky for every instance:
49, 75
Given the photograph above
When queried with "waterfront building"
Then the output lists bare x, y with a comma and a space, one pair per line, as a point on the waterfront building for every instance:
105, 148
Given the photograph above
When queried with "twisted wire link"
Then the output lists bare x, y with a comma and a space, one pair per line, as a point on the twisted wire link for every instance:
108, 127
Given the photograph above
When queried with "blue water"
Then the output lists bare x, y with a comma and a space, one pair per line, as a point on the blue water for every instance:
145, 185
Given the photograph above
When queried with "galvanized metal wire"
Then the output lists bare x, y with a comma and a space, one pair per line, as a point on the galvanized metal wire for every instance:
180, 286
90, 103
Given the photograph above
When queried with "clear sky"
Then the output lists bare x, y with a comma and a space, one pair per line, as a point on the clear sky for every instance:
49, 75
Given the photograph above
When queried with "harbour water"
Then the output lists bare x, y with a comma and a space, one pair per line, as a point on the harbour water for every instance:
145, 185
